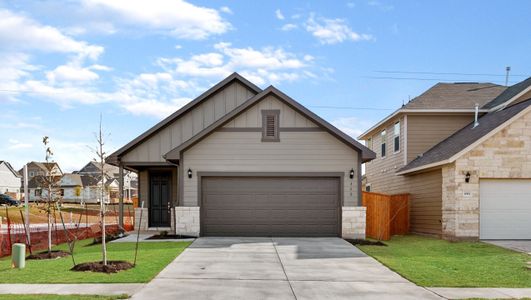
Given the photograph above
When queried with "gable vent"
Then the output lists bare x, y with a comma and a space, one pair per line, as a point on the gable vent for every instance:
270, 125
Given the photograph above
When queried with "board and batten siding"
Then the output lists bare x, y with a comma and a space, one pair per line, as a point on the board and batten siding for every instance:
244, 152
426, 131
252, 117
189, 124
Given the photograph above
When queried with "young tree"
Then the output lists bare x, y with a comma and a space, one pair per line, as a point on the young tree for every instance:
50, 192
100, 158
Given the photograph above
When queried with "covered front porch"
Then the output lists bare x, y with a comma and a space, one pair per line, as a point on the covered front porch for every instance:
158, 199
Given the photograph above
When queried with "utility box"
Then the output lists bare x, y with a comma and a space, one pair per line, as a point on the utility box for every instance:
18, 256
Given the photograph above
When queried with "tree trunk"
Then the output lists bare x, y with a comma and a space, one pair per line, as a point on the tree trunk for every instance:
49, 230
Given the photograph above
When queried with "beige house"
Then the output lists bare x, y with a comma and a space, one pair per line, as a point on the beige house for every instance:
242, 161
467, 179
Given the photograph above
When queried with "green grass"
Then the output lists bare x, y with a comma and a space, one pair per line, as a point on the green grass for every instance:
60, 297
152, 258
437, 263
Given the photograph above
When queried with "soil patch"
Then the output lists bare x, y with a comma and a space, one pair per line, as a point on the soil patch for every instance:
52, 255
108, 237
113, 266
170, 237
358, 242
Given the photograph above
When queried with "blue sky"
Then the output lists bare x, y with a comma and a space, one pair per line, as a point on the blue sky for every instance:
64, 63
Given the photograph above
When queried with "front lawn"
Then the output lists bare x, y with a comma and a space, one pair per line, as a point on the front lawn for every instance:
437, 263
60, 297
152, 258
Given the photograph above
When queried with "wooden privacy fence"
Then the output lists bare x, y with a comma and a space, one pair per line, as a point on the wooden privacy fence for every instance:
387, 215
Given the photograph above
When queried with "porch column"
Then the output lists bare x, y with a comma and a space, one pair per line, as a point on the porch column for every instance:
121, 199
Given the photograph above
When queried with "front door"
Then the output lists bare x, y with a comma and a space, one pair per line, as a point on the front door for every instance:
160, 199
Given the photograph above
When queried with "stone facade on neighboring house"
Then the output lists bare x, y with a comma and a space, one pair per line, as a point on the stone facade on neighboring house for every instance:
506, 154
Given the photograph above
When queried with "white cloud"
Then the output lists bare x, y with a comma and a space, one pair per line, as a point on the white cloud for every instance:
16, 144
380, 5
71, 73
226, 10
279, 14
18, 32
177, 47
351, 125
333, 31
288, 27
178, 17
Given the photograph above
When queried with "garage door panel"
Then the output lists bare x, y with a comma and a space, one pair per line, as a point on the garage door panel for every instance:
254, 206
505, 209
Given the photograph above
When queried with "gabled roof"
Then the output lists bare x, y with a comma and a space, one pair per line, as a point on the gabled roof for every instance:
507, 96
71, 180
468, 137
446, 98
162, 124
45, 166
366, 153
8, 165
459, 95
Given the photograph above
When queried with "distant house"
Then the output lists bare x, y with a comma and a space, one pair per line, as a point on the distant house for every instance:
71, 188
41, 169
10, 180
37, 188
93, 168
92, 189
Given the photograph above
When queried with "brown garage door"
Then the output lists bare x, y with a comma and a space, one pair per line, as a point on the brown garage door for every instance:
258, 206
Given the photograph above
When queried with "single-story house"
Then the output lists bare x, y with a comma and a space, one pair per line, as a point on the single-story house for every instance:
242, 161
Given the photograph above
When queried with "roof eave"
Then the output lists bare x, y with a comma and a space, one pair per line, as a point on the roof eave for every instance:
184, 109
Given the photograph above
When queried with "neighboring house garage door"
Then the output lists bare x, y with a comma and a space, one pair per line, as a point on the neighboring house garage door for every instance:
505, 209
270, 206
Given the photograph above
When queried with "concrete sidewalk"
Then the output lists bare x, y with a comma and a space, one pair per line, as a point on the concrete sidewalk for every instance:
70, 289
487, 293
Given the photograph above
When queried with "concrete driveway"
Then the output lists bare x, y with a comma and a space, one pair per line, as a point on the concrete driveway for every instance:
278, 268
516, 245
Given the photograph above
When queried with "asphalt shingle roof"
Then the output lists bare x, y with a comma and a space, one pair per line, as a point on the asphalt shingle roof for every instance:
456, 96
466, 136
508, 93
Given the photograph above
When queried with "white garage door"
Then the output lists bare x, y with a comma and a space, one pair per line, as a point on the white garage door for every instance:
505, 209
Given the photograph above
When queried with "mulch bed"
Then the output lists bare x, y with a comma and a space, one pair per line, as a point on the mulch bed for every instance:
109, 237
52, 255
170, 237
358, 242
113, 266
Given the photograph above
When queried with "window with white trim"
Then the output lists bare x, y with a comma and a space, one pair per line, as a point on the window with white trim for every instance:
396, 137
383, 137
369, 143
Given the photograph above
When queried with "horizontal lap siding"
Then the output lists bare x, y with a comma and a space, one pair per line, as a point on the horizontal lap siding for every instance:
189, 124
296, 152
380, 172
426, 202
424, 132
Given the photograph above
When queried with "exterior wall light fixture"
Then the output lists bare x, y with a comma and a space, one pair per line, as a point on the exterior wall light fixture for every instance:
351, 173
467, 177
189, 173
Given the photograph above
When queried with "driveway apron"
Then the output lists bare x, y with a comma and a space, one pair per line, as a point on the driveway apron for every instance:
278, 268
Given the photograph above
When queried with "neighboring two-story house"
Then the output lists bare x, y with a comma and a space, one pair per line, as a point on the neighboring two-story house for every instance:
10, 180
112, 173
467, 179
36, 170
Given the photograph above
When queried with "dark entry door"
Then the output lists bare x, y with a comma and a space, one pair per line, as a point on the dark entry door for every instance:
160, 198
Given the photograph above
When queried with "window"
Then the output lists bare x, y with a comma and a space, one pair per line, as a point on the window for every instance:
383, 136
396, 138
62, 192
369, 143
270, 125
38, 192
368, 188
31, 174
